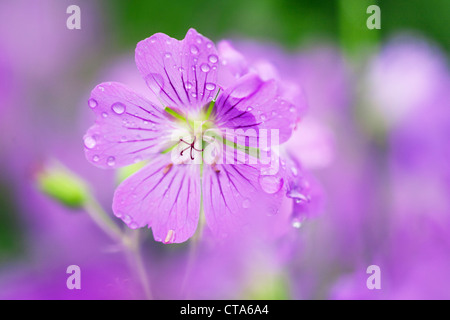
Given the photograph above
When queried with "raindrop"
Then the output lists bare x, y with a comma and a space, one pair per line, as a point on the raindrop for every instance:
270, 184
246, 204
126, 219
168, 55
213, 58
89, 142
133, 225
188, 85
92, 103
111, 161
296, 223
205, 67
194, 49
297, 196
118, 108
210, 86
104, 114
95, 158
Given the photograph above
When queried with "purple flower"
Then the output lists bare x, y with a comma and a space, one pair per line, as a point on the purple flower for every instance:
191, 123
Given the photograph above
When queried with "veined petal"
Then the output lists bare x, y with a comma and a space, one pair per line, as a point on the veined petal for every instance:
128, 127
254, 99
233, 64
182, 73
164, 196
233, 197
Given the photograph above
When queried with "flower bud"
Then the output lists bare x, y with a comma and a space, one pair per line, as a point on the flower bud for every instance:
61, 184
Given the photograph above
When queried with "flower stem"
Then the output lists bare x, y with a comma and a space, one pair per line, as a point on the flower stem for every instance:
130, 241
136, 256
101, 218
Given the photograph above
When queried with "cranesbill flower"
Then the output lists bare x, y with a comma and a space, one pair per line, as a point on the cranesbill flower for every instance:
197, 139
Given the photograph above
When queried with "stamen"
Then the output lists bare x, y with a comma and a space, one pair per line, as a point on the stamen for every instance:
191, 146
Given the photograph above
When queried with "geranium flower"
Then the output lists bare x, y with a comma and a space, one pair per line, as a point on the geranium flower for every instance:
192, 139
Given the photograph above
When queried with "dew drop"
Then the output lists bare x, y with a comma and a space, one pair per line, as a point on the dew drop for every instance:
297, 196
118, 214
118, 108
270, 184
92, 103
210, 86
194, 49
249, 109
90, 142
95, 158
126, 219
296, 223
188, 85
205, 67
246, 204
111, 161
104, 115
168, 55
263, 117
133, 225
213, 58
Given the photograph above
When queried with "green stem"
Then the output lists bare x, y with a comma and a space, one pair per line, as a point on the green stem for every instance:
138, 264
102, 219
130, 241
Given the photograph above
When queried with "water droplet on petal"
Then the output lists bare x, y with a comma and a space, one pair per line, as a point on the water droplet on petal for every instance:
111, 161
249, 109
168, 55
263, 117
188, 85
246, 204
296, 223
205, 67
126, 218
90, 142
270, 184
210, 86
118, 214
297, 196
92, 103
95, 158
213, 58
118, 108
194, 49
104, 115
133, 225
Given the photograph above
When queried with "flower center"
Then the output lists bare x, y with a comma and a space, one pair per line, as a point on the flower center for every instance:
191, 146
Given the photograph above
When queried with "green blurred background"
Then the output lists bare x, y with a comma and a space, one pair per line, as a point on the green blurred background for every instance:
289, 22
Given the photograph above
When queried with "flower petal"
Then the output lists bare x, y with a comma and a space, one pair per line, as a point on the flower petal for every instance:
233, 64
260, 99
234, 199
128, 127
163, 196
181, 73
